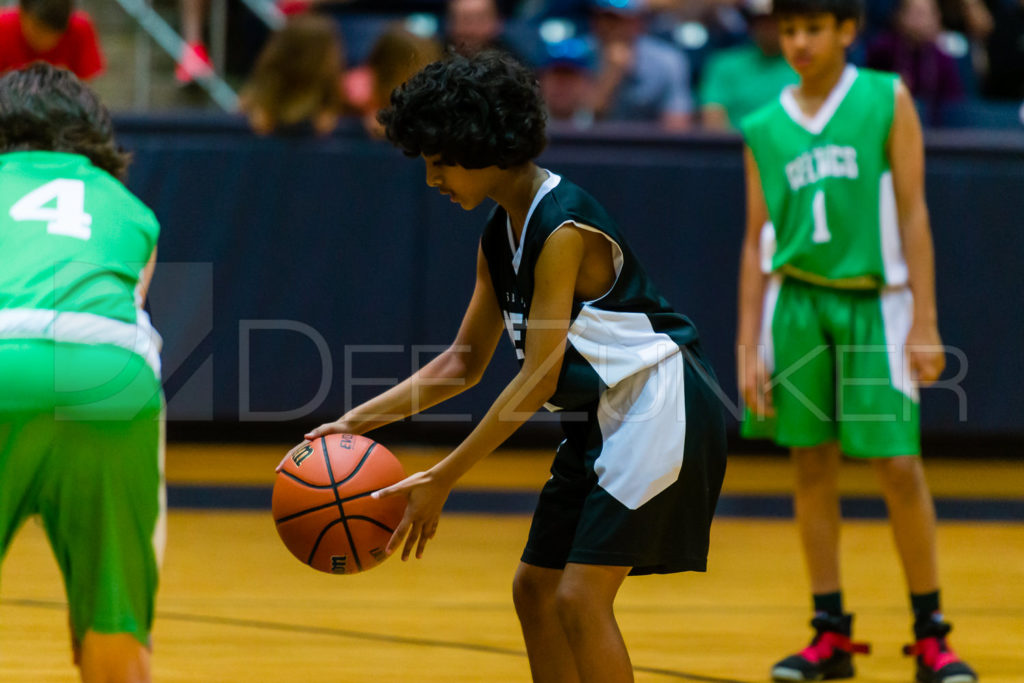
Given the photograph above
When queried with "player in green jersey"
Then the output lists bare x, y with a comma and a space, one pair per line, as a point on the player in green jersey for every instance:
837, 317
81, 408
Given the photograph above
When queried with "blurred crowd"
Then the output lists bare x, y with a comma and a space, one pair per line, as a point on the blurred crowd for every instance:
675, 64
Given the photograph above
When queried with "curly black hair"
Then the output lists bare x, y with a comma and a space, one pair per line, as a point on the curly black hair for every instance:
474, 112
840, 9
43, 107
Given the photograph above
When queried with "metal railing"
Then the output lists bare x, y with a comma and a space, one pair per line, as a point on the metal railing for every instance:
152, 26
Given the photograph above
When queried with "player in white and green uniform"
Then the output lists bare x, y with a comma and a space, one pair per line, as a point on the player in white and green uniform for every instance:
837, 300
81, 408
833, 244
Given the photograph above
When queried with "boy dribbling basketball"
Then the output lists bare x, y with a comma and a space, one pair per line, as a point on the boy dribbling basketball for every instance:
635, 482
848, 327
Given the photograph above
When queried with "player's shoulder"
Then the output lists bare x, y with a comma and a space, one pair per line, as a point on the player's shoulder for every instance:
567, 200
873, 77
732, 59
761, 118
122, 199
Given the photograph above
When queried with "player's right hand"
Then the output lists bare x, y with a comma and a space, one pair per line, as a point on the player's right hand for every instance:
754, 380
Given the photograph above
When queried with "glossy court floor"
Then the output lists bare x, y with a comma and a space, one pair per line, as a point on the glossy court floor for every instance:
235, 607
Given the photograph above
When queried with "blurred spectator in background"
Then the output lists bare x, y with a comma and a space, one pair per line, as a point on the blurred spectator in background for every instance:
566, 77
738, 80
296, 84
639, 77
194, 61
476, 25
395, 56
910, 48
49, 31
1005, 78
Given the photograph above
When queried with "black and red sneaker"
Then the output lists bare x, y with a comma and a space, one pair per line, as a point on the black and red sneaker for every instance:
936, 662
828, 657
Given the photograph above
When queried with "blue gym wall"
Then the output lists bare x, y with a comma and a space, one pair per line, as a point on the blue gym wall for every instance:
277, 254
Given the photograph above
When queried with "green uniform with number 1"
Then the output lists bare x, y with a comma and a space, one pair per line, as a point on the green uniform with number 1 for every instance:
81, 408
837, 308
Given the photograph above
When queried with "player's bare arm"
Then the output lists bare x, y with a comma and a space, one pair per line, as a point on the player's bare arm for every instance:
555, 281
751, 376
145, 278
455, 370
906, 157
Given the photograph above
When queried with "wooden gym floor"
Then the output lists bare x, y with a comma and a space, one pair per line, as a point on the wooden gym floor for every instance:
234, 606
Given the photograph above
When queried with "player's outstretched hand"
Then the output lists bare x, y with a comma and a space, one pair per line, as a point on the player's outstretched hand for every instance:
426, 497
925, 353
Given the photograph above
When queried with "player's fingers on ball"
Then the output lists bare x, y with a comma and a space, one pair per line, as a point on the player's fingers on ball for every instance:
384, 492
422, 544
410, 541
396, 537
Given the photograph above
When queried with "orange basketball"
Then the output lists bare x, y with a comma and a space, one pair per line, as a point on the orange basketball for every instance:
322, 505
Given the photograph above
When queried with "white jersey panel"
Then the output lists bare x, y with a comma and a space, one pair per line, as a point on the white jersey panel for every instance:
895, 265
617, 344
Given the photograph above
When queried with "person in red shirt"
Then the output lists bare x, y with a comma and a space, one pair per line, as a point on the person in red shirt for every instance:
49, 31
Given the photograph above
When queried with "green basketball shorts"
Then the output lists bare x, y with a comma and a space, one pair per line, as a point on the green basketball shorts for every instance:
838, 369
81, 445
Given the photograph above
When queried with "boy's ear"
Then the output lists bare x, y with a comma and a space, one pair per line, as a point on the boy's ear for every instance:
848, 31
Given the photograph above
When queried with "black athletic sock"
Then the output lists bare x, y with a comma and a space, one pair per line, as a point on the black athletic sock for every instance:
927, 611
829, 603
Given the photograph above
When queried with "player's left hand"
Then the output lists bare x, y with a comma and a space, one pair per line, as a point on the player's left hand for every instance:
925, 353
427, 497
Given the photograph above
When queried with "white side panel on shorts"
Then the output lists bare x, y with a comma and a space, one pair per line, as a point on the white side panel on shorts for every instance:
771, 299
897, 316
160, 530
643, 426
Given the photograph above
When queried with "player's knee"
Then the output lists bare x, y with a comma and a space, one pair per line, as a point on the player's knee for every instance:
816, 467
901, 478
532, 590
575, 606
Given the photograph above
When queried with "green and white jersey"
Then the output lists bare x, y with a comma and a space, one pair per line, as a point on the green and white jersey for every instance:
73, 243
828, 186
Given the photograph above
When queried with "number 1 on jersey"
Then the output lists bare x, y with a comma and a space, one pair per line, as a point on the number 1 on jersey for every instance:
821, 233
67, 216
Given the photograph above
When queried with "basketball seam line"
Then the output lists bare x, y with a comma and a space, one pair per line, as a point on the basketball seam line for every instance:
337, 496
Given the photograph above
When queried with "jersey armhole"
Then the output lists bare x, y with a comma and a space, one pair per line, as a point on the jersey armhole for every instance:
617, 257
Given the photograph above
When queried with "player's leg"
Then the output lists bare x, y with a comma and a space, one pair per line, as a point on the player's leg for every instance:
804, 394
536, 582
881, 421
816, 508
534, 592
585, 597
912, 516
102, 504
113, 658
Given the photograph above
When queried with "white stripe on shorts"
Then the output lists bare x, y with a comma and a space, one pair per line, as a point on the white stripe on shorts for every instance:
643, 428
897, 316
